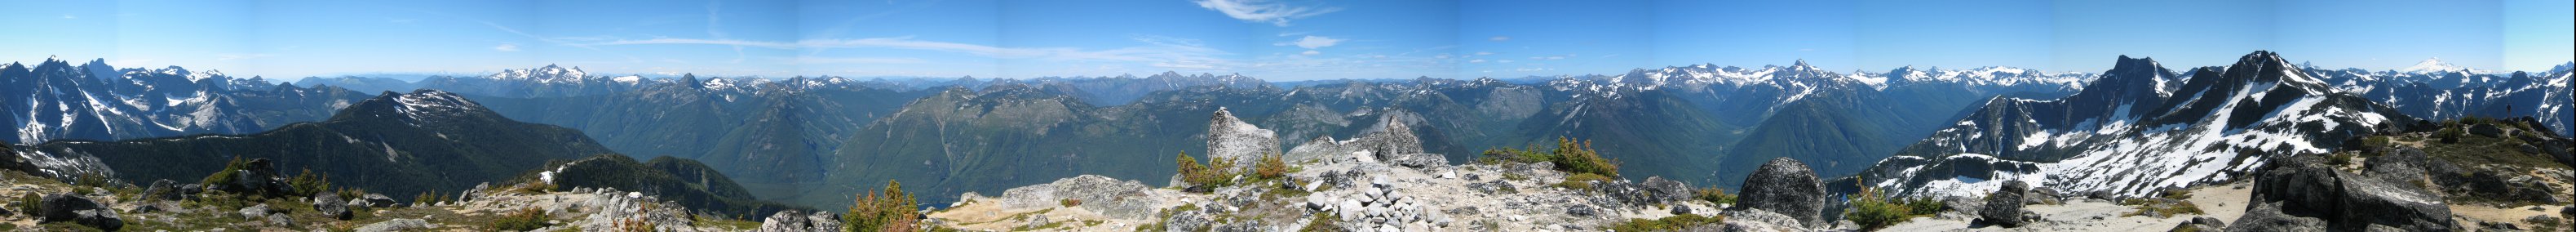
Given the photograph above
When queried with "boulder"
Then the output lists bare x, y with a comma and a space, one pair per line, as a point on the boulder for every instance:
2303, 186
1232, 138
103, 219
257, 177
63, 207
163, 189
330, 205
280, 220
1665, 190
1109, 197
1193, 220
1419, 160
2004, 207
2488, 130
1681, 209
407, 224
1580, 210
372, 200
1786, 187
1760, 220
2267, 217
253, 212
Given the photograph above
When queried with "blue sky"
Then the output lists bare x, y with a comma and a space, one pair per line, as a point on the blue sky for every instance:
1270, 39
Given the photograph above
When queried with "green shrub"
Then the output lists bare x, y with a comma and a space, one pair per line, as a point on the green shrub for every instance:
1568, 155
225, 176
1673, 223
1321, 222
524, 219
2339, 159
1218, 172
1873, 210
1581, 181
2160, 209
1713, 195
891, 210
1270, 167
308, 183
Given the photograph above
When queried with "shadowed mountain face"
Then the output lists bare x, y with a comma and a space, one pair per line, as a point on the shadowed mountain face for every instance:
2136, 130
393, 143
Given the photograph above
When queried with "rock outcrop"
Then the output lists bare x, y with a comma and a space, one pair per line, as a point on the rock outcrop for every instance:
73, 208
2300, 189
1231, 138
1787, 187
797, 221
2004, 208
1115, 198
330, 205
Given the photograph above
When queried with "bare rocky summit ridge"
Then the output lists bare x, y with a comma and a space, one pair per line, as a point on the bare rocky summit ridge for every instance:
1356, 185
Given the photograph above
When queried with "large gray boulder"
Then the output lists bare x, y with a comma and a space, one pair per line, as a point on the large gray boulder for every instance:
2004, 208
1391, 139
1787, 187
163, 189
330, 205
1757, 220
2305, 187
1231, 138
372, 200
1110, 197
2267, 217
63, 206
795, 221
257, 177
406, 225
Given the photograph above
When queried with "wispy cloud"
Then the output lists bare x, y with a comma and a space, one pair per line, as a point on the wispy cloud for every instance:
1313, 42
70, 17
1263, 11
1311, 52
506, 47
853, 60
1500, 38
1160, 49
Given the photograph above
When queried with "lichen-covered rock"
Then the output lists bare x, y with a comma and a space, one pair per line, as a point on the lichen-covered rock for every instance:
1761, 220
1231, 138
2303, 186
330, 205
405, 224
1786, 187
163, 189
795, 221
372, 200
2267, 217
64, 207
1419, 160
1111, 197
253, 212
2004, 207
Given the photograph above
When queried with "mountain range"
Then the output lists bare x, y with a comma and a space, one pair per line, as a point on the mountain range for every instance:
810, 140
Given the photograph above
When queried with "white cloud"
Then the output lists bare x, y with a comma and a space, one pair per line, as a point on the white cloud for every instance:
506, 47
1175, 52
1262, 11
1314, 42
1476, 61
854, 60
1500, 38
1484, 53
1310, 53
70, 17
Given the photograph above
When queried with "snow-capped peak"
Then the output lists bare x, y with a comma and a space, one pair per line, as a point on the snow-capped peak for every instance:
2434, 65
549, 73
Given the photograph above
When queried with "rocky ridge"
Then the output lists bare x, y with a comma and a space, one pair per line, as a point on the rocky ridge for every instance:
1352, 185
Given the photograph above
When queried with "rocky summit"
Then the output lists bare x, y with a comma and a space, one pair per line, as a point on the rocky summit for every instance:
1352, 185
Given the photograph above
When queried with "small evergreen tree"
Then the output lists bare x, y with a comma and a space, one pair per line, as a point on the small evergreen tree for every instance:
889, 211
